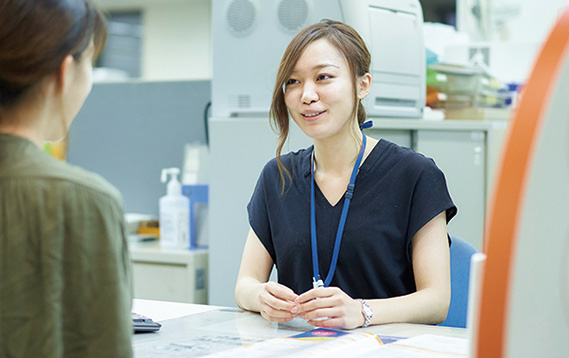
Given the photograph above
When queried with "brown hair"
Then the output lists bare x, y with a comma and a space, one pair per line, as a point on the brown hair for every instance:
37, 35
347, 41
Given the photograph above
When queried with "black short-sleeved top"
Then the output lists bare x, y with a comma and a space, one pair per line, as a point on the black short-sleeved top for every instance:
397, 191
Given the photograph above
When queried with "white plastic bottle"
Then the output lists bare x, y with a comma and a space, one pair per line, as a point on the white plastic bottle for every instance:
174, 213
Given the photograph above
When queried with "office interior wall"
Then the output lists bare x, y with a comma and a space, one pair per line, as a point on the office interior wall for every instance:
535, 19
127, 132
509, 20
176, 43
178, 40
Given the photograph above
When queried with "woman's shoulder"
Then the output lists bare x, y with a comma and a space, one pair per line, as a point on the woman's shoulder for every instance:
404, 155
76, 180
23, 160
394, 159
296, 167
294, 162
90, 181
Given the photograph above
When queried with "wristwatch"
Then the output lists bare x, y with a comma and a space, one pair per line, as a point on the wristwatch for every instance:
367, 312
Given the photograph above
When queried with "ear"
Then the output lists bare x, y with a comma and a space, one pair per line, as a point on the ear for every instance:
364, 85
65, 73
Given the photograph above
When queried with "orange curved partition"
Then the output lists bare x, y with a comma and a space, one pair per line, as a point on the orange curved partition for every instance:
509, 194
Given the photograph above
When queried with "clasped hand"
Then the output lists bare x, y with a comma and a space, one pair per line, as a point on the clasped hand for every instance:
320, 307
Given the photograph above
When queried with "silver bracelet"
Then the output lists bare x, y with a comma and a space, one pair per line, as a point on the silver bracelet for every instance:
367, 312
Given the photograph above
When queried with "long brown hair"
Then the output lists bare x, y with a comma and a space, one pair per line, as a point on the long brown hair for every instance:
36, 36
348, 42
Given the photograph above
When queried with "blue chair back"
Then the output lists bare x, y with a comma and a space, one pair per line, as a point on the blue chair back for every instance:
460, 254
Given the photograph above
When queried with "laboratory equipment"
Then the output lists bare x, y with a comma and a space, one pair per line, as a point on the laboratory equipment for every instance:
250, 36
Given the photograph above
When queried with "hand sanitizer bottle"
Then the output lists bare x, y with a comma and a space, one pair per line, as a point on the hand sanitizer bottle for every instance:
174, 213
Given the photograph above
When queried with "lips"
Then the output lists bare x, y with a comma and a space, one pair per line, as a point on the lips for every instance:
312, 115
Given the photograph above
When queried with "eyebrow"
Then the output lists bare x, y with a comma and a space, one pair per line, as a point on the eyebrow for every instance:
320, 66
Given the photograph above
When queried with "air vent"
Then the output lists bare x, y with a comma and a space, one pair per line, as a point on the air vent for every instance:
244, 101
241, 16
292, 15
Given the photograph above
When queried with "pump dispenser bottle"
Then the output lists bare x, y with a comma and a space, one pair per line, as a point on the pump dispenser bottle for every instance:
174, 213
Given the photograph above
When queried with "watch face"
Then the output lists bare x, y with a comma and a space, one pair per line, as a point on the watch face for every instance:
367, 310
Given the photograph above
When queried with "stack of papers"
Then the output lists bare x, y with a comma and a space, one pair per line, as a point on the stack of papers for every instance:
334, 343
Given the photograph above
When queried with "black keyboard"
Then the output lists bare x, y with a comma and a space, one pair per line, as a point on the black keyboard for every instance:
141, 324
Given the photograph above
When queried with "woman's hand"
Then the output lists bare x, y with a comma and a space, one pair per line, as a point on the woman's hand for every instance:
329, 307
253, 291
276, 302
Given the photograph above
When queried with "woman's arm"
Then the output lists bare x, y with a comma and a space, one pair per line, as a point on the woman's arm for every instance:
253, 292
429, 304
431, 267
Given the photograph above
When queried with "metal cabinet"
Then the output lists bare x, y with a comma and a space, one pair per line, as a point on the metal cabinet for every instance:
462, 153
461, 156
169, 275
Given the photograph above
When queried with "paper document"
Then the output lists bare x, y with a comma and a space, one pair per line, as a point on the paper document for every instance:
425, 346
236, 333
319, 342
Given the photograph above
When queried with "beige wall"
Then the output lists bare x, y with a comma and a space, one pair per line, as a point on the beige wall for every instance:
535, 20
177, 38
518, 21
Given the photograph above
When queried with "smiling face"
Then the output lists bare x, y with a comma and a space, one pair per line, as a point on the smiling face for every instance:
319, 93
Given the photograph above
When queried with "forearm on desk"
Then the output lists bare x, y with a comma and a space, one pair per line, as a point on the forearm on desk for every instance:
426, 306
431, 268
247, 292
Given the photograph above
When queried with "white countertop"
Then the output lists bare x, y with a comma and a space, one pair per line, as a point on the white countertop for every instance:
164, 310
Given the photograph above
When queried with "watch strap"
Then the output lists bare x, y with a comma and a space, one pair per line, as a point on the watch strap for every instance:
367, 312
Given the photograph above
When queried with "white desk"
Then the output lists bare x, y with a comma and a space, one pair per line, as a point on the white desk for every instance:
161, 311
192, 330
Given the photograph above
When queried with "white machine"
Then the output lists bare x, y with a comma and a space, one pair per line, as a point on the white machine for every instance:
250, 36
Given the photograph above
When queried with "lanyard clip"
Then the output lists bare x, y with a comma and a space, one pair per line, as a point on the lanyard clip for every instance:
317, 284
367, 124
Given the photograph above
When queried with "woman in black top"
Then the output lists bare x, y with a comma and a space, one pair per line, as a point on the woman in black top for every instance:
357, 223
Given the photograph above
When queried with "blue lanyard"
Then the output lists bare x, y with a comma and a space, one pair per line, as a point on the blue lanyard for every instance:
349, 193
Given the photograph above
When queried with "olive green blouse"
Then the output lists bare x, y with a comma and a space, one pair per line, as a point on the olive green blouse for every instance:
65, 275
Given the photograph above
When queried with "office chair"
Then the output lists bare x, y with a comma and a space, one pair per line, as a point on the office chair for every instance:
460, 254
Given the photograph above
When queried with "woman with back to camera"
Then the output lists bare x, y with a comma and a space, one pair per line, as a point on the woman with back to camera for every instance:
65, 281
355, 226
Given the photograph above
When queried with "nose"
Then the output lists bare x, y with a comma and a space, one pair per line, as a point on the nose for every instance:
309, 94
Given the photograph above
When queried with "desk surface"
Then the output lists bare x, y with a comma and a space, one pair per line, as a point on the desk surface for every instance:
191, 330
